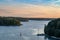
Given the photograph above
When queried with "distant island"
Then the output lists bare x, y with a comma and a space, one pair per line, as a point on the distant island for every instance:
5, 21
22, 19
42, 18
25, 19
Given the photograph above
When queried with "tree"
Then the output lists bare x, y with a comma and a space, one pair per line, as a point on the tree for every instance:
53, 28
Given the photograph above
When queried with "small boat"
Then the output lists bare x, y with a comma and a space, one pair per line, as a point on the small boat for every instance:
40, 34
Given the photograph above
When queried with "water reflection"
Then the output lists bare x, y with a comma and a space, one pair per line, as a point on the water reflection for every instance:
49, 38
27, 31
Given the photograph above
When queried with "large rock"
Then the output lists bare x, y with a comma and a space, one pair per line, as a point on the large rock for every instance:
53, 28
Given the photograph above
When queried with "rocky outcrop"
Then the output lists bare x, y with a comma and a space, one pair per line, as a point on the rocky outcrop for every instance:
53, 28
9, 22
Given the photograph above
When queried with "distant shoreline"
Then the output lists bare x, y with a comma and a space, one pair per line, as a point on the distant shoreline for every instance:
41, 18
27, 19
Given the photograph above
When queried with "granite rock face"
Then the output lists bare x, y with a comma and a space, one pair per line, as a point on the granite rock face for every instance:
53, 28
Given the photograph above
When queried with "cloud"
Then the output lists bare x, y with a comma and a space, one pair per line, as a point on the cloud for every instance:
4, 10
30, 8
35, 2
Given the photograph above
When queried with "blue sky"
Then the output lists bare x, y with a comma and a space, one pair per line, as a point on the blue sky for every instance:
30, 8
45, 2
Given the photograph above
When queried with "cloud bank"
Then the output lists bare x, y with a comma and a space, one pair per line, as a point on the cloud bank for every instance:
30, 8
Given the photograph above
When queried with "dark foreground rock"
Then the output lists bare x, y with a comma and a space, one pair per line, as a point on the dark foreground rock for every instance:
53, 28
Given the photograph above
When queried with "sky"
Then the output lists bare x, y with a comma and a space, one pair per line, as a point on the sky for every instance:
30, 8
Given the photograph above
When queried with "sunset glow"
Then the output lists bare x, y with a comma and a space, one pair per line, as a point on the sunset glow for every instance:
30, 8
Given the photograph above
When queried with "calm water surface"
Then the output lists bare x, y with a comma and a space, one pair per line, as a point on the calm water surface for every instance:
28, 31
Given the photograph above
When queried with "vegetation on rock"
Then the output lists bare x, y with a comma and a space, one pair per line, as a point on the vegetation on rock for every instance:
53, 28
9, 22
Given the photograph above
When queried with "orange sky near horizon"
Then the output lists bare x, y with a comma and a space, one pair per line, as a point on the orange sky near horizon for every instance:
31, 8
31, 11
